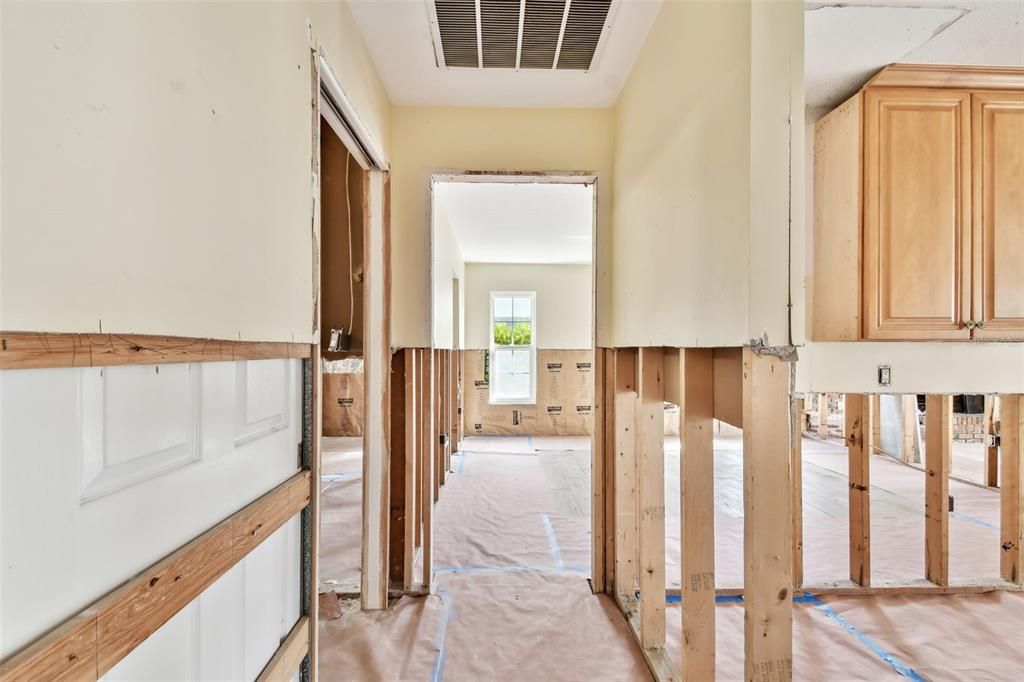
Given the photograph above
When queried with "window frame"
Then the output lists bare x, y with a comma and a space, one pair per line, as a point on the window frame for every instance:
532, 398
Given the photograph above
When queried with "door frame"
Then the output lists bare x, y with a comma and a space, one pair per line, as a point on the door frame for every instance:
332, 104
599, 228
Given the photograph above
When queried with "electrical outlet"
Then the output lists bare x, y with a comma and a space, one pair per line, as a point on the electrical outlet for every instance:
884, 375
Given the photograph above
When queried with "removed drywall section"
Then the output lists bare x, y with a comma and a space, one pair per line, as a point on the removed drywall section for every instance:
704, 174
431, 140
564, 313
448, 265
168, 189
565, 395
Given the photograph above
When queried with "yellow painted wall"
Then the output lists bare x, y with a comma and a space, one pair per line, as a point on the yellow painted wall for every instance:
702, 168
429, 140
156, 164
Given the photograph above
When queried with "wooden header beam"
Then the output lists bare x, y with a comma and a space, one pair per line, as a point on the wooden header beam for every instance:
32, 350
88, 645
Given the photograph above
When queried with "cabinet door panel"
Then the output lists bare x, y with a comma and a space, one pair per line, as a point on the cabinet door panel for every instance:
917, 191
998, 127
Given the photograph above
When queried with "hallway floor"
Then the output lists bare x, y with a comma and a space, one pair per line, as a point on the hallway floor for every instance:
512, 601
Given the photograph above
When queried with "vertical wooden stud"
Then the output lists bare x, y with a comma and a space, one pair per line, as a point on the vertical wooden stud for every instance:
767, 527
437, 415
1011, 490
625, 472
823, 412
938, 414
597, 479
858, 429
908, 403
609, 470
650, 453
697, 511
427, 468
397, 528
876, 424
990, 474
796, 465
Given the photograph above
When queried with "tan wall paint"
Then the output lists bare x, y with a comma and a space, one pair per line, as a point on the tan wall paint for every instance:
159, 180
702, 168
564, 305
447, 265
428, 140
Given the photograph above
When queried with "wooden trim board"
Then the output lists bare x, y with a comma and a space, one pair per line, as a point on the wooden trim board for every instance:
113, 626
949, 76
286, 660
42, 350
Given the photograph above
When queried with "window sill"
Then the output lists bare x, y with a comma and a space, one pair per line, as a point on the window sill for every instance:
512, 402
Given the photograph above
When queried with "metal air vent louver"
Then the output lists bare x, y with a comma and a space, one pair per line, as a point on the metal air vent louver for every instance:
518, 34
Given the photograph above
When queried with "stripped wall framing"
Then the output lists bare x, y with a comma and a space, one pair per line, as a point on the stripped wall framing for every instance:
750, 388
426, 429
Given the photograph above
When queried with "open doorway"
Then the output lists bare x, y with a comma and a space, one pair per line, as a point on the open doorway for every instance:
342, 335
513, 293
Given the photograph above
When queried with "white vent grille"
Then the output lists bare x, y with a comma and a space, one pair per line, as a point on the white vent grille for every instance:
519, 34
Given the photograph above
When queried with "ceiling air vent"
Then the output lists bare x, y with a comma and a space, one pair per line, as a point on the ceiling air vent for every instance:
518, 34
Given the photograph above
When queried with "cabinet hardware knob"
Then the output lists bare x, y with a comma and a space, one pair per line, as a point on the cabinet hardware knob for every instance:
970, 324
980, 325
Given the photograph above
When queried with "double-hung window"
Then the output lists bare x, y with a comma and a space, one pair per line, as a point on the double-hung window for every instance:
513, 370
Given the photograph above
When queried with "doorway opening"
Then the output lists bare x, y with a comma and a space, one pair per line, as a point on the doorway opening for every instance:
513, 296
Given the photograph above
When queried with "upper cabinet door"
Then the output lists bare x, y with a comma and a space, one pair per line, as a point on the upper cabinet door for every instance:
998, 123
917, 214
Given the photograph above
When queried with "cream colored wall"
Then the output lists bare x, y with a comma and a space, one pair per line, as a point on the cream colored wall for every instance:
428, 140
703, 173
156, 164
447, 265
564, 301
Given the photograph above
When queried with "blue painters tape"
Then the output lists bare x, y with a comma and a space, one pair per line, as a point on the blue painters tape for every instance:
893, 662
529, 441
980, 522
462, 463
556, 553
447, 614
719, 599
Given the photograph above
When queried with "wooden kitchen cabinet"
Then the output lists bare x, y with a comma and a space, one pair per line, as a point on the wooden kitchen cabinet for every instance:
919, 209
998, 286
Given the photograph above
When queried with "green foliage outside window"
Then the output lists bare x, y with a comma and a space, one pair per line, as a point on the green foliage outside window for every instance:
507, 335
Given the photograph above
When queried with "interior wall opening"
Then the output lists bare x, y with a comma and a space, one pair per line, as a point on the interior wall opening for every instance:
512, 261
342, 332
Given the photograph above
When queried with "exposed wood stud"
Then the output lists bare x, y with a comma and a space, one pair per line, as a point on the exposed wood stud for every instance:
909, 428
598, 458
938, 414
1011, 534
697, 510
858, 429
650, 454
796, 465
767, 527
991, 463
625, 471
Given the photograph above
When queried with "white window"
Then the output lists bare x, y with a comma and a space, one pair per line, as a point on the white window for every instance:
513, 370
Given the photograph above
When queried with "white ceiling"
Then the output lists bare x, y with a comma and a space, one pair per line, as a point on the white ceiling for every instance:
848, 42
518, 223
398, 35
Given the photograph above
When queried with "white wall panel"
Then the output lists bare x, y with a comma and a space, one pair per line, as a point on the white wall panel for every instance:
60, 553
230, 631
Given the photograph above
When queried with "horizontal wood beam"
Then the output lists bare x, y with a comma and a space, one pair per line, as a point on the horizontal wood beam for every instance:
286, 660
36, 350
889, 587
89, 644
